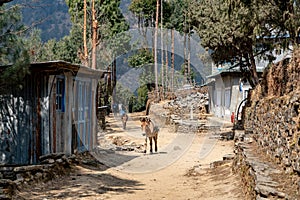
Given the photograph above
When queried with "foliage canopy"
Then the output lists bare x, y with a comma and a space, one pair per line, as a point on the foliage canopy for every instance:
239, 31
12, 49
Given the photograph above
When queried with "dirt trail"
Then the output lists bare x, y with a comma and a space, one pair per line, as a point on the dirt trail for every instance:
180, 170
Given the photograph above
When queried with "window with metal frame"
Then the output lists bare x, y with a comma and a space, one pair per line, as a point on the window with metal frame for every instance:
227, 97
60, 94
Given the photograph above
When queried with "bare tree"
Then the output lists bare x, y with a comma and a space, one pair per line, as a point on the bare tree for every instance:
173, 59
85, 49
162, 48
155, 50
94, 36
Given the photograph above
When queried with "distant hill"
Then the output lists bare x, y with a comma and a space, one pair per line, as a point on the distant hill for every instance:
51, 16
127, 14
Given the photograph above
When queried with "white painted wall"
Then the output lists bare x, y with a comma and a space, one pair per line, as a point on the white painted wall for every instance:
226, 95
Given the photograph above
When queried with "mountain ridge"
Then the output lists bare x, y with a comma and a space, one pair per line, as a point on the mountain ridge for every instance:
51, 17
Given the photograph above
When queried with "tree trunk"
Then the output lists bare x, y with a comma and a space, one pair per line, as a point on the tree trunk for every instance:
173, 60
155, 50
162, 50
253, 69
85, 50
114, 71
189, 49
167, 61
94, 36
185, 70
153, 37
189, 59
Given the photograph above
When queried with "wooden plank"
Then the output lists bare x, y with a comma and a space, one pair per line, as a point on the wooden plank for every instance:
45, 115
68, 111
53, 108
38, 117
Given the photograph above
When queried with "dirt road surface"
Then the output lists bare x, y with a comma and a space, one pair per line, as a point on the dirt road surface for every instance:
181, 169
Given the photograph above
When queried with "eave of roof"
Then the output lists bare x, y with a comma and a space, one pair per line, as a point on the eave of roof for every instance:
230, 70
209, 83
58, 65
62, 64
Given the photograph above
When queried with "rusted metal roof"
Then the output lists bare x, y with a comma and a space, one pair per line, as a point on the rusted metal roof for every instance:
60, 65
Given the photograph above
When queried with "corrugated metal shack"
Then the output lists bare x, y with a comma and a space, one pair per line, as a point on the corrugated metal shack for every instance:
54, 112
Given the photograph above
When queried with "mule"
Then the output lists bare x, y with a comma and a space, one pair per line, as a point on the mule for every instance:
151, 132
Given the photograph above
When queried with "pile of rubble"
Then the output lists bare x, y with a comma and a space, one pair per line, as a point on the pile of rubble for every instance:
189, 107
123, 144
184, 113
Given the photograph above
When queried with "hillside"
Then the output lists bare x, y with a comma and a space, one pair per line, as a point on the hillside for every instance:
50, 16
53, 19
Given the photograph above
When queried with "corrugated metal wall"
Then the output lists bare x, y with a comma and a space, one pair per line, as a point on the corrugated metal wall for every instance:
31, 125
82, 112
21, 124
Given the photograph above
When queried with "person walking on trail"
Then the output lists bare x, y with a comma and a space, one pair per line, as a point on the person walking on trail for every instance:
115, 109
124, 118
120, 107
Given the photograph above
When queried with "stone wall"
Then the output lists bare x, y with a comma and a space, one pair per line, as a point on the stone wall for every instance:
273, 115
259, 175
52, 166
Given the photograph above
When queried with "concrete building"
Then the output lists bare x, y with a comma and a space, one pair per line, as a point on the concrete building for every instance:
227, 90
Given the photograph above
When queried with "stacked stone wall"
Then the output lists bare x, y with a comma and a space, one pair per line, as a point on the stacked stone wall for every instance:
52, 166
274, 113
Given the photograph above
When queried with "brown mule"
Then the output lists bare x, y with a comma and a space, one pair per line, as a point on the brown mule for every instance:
151, 132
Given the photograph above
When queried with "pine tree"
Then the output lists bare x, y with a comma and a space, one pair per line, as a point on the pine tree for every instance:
4, 1
12, 49
239, 31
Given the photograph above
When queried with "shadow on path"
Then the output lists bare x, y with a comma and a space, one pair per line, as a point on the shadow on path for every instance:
82, 184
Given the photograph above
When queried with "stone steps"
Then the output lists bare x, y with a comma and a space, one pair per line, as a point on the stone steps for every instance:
256, 172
